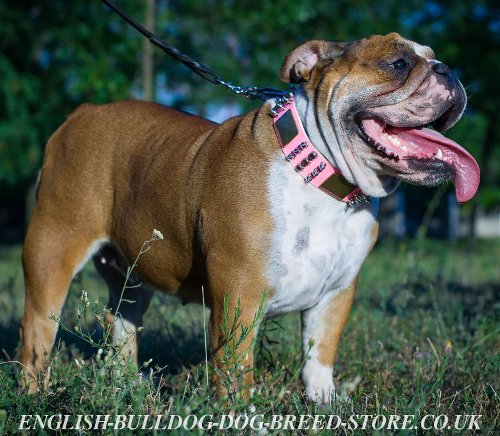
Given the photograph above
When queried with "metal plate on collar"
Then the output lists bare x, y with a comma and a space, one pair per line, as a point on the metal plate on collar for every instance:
286, 128
338, 186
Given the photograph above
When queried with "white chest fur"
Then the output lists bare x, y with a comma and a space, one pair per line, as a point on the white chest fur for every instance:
318, 244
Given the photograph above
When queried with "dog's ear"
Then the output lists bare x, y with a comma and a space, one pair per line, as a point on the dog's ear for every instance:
301, 61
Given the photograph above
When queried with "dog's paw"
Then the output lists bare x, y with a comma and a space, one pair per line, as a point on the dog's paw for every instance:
321, 394
319, 383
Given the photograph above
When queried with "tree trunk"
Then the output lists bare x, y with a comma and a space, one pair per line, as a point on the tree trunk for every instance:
148, 77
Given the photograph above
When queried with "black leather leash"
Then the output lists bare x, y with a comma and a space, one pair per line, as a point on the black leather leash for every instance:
250, 92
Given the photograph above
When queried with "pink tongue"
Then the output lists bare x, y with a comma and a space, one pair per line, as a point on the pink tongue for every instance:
466, 168
425, 143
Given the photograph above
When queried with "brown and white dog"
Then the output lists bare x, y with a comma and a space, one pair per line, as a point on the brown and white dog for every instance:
236, 216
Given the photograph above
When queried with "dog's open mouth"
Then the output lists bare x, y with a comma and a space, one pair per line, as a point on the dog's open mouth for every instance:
402, 144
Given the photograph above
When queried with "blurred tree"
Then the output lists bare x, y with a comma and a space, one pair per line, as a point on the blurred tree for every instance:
148, 79
55, 54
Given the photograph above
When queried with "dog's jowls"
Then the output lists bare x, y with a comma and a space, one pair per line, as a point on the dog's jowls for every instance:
235, 215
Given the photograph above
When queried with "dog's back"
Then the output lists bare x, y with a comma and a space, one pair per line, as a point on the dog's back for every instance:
128, 144
96, 142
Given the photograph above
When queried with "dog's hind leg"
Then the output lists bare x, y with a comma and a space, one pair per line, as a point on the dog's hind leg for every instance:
53, 254
128, 301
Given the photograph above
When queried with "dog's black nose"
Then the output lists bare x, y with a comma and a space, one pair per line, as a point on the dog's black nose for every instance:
441, 68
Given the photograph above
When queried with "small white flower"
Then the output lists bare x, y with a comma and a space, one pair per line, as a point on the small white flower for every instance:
85, 298
157, 235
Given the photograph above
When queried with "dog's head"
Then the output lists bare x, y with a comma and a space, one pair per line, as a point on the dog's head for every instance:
372, 103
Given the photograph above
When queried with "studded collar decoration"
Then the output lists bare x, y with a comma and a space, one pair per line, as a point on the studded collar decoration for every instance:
306, 159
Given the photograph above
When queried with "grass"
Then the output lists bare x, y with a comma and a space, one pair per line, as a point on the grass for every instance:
423, 338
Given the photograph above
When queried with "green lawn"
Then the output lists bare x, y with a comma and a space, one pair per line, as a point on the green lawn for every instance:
423, 338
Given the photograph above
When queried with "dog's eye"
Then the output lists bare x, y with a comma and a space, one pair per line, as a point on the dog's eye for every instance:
400, 64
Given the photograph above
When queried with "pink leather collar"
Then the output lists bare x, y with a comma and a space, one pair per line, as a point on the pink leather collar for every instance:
306, 159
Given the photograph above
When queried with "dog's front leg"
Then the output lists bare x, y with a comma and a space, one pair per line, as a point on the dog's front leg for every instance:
233, 327
324, 324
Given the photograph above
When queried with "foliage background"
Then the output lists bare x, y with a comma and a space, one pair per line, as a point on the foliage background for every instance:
57, 54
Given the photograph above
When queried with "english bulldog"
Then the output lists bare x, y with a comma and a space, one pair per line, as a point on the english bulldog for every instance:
282, 201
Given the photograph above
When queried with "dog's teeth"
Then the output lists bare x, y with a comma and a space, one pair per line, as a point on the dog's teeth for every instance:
439, 154
393, 139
